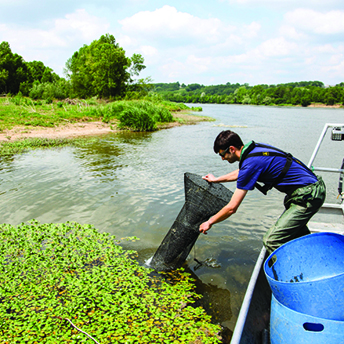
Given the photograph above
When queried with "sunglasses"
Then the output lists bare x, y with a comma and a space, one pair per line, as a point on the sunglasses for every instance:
222, 155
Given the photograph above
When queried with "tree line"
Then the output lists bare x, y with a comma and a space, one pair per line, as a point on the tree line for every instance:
301, 93
100, 69
103, 70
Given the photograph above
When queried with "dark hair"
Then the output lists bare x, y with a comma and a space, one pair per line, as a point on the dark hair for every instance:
227, 138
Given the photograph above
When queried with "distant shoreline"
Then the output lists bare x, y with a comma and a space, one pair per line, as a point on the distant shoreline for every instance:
320, 105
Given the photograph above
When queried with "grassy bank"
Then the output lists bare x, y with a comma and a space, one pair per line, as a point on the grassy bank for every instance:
25, 112
8, 148
24, 115
139, 115
58, 278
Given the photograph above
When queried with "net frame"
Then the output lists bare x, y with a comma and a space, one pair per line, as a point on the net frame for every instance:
202, 200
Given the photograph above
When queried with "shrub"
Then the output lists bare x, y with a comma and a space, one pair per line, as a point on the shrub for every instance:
17, 99
57, 90
137, 119
114, 110
138, 115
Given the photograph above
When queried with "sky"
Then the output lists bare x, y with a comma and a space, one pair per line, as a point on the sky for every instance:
205, 42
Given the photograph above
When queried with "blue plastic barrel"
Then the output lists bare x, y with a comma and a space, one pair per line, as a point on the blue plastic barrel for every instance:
290, 327
307, 275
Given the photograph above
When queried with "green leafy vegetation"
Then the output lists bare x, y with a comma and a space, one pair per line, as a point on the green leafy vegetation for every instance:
22, 111
58, 278
301, 93
8, 148
137, 115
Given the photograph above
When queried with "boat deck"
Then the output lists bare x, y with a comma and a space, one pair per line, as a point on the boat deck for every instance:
315, 227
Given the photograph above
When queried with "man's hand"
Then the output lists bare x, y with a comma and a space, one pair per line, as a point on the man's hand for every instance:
210, 178
204, 227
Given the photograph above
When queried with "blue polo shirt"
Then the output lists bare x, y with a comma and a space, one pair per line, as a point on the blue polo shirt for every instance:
266, 169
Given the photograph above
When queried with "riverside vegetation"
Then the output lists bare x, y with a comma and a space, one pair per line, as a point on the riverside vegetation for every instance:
302, 93
146, 114
68, 283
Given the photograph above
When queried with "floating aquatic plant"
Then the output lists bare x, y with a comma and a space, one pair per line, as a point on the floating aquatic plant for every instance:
68, 283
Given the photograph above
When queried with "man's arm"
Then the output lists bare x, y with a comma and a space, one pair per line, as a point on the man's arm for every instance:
226, 211
230, 177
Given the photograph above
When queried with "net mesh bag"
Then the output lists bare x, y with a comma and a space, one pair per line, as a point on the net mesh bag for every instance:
202, 200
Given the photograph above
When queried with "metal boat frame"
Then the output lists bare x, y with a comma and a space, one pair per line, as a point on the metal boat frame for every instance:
252, 326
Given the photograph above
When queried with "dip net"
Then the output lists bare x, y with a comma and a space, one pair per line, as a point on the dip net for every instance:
202, 200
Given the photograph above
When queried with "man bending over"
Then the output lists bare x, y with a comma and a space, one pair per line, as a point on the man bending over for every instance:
261, 163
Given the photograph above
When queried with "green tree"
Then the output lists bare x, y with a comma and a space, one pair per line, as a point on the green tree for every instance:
13, 70
37, 72
137, 65
240, 94
193, 87
102, 69
49, 75
305, 101
3, 79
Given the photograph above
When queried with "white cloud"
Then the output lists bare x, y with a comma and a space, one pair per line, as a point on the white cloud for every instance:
65, 35
78, 27
328, 23
335, 69
190, 66
288, 4
252, 30
199, 64
325, 49
222, 62
148, 50
277, 2
336, 59
173, 69
168, 23
277, 47
81, 25
125, 40
310, 60
184, 45
291, 32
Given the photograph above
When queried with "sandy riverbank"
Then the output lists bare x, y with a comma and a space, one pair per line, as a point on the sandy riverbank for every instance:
319, 105
73, 130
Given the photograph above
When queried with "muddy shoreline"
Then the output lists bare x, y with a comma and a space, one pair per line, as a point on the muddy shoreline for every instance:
73, 130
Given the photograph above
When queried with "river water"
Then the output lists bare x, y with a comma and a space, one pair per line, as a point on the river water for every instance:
132, 184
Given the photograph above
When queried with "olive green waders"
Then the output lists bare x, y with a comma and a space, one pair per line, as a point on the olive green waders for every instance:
300, 206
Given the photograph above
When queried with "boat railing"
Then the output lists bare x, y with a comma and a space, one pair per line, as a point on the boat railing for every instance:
337, 135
